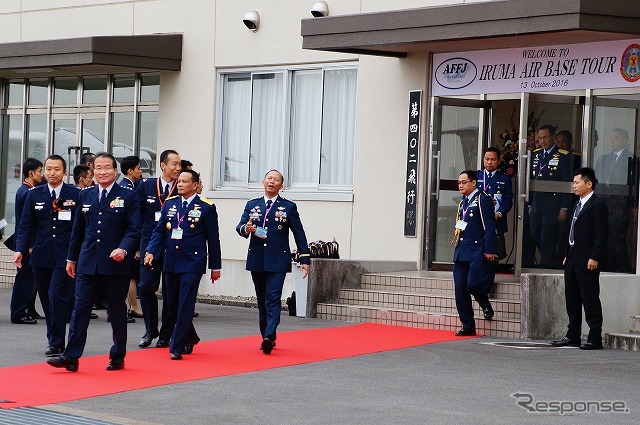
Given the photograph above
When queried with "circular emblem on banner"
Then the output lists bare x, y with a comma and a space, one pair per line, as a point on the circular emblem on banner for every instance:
456, 73
630, 64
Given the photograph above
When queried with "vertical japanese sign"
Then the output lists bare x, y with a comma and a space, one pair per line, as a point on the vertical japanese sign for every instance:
413, 138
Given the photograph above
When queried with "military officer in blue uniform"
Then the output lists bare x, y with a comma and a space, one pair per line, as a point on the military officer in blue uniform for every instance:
187, 226
24, 283
499, 187
475, 247
548, 210
268, 220
106, 230
152, 194
48, 216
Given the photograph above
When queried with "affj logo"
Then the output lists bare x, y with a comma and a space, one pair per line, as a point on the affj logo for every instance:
456, 73
630, 64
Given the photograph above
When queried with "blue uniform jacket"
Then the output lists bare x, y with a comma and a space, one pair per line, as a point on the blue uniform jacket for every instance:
98, 229
479, 237
147, 196
273, 254
125, 182
199, 224
21, 198
556, 166
41, 221
500, 184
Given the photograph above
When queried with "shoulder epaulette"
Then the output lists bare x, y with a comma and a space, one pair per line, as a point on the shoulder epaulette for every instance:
255, 199
577, 153
206, 200
563, 151
173, 197
536, 150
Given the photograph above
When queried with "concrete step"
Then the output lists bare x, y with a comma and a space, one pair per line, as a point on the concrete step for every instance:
509, 290
635, 324
500, 327
630, 342
508, 309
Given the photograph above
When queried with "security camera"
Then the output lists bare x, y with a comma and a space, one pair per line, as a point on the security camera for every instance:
320, 9
252, 20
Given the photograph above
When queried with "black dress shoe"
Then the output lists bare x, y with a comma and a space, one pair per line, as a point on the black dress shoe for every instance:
26, 320
134, 315
466, 332
115, 364
591, 346
146, 339
196, 314
53, 351
162, 343
566, 342
176, 356
188, 347
267, 346
131, 320
94, 316
273, 345
488, 312
68, 363
34, 314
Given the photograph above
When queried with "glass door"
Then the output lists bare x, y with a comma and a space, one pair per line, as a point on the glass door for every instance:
458, 135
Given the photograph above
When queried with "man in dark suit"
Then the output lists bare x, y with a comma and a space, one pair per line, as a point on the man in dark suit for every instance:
613, 168
130, 168
498, 186
152, 194
268, 220
24, 283
105, 231
582, 262
548, 209
475, 247
188, 225
48, 217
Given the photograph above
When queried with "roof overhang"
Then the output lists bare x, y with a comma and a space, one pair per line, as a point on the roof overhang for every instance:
474, 26
99, 53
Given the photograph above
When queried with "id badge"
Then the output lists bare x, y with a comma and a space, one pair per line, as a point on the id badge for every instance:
461, 224
498, 200
176, 234
261, 232
158, 215
64, 215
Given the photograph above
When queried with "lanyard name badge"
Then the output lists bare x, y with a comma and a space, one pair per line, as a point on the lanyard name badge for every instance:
461, 224
176, 233
261, 231
162, 198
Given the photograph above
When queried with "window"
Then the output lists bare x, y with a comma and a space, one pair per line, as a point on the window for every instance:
299, 121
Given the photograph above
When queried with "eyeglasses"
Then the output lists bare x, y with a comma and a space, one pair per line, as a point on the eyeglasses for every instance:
463, 182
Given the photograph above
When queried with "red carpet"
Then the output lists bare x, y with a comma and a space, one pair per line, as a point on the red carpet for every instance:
32, 385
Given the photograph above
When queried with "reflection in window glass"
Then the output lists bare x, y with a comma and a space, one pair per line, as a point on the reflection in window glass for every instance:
11, 166
122, 134
36, 136
64, 136
64, 91
38, 92
150, 88
123, 89
236, 129
94, 90
148, 137
93, 135
15, 93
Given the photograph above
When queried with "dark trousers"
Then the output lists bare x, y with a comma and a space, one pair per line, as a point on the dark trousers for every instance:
182, 291
147, 286
582, 287
544, 230
115, 288
56, 290
468, 278
269, 294
22, 290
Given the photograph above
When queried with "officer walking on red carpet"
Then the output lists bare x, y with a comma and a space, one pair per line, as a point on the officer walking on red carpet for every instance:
268, 220
105, 231
187, 226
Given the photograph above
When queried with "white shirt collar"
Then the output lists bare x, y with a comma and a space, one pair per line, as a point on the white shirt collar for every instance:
57, 189
584, 199
163, 184
189, 199
270, 199
472, 194
108, 189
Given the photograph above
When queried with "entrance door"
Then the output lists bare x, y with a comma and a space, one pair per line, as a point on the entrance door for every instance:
76, 134
458, 134
545, 195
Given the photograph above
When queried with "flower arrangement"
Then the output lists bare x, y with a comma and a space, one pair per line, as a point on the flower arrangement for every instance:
508, 142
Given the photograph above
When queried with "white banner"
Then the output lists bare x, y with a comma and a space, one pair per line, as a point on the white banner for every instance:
608, 64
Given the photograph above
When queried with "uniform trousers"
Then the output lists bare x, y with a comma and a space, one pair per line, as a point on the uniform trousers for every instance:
582, 287
182, 291
147, 287
269, 294
469, 280
56, 290
22, 290
116, 288
544, 230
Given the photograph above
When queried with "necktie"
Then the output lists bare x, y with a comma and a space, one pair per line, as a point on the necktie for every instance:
269, 202
104, 195
53, 195
184, 205
576, 212
465, 203
166, 191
